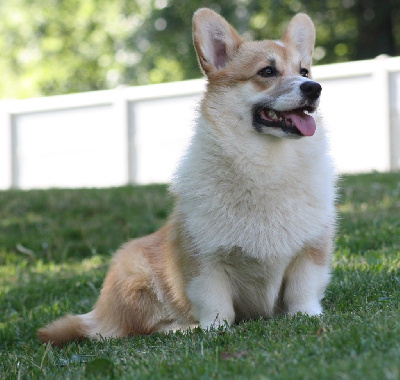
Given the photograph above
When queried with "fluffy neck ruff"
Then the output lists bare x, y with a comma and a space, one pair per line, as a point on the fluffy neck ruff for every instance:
235, 188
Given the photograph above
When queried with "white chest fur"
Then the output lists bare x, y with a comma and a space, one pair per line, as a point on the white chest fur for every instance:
270, 205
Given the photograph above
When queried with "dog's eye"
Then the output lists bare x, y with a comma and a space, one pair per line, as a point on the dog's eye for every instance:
267, 71
304, 73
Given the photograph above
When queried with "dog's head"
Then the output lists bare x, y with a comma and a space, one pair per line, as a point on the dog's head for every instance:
269, 81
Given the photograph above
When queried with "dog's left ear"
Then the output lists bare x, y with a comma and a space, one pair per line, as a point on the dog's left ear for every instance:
300, 34
214, 39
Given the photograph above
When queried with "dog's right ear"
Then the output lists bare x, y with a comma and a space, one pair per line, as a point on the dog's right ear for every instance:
214, 39
300, 33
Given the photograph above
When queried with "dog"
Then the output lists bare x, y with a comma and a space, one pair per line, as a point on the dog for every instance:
251, 233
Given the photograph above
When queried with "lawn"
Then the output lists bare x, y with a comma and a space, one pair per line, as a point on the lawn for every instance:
55, 246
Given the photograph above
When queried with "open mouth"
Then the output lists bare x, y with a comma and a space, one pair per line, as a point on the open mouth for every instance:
294, 122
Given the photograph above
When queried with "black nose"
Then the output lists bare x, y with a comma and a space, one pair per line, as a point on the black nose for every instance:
311, 89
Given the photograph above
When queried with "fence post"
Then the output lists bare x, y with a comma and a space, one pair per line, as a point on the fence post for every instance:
15, 164
124, 115
8, 154
394, 88
131, 143
382, 109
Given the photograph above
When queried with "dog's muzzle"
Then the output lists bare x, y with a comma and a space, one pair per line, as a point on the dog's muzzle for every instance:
292, 122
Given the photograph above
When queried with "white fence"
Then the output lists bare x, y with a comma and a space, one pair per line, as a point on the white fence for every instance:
137, 134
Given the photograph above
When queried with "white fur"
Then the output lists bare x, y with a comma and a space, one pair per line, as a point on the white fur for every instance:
211, 307
266, 195
96, 329
305, 286
253, 204
270, 197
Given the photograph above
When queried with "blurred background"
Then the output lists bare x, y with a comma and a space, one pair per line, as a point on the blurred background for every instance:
109, 133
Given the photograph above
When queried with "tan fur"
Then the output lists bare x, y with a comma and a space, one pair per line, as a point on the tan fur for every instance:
320, 254
128, 299
143, 292
63, 330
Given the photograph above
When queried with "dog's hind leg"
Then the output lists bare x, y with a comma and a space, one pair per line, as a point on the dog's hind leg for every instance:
129, 302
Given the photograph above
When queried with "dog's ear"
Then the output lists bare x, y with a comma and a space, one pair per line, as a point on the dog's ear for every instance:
300, 34
214, 39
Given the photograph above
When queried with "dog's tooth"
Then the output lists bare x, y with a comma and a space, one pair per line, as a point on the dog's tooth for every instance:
272, 114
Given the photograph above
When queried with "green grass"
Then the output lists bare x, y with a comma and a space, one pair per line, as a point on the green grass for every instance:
55, 247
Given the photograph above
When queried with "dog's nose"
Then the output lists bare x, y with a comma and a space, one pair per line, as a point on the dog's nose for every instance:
311, 89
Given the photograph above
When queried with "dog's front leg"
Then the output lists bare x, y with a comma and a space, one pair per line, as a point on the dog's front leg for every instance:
306, 280
211, 296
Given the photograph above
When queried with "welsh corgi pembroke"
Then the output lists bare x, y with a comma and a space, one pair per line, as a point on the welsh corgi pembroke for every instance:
251, 233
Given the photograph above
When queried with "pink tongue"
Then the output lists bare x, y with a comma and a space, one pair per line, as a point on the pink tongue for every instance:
303, 122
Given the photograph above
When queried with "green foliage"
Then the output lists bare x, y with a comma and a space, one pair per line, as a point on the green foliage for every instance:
357, 337
54, 47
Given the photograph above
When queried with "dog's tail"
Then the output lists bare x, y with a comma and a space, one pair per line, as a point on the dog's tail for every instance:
63, 330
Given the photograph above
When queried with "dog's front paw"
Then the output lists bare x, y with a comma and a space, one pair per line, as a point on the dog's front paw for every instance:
310, 309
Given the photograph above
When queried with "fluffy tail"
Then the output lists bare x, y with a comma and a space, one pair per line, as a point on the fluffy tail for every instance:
63, 330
